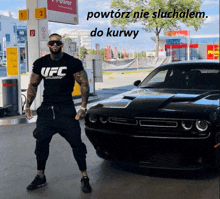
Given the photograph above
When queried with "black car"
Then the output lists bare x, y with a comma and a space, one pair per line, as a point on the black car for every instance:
171, 120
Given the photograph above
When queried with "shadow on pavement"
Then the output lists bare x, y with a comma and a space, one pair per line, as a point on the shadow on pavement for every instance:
164, 173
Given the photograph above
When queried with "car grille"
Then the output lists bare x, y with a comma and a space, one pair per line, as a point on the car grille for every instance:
124, 121
158, 123
151, 127
145, 122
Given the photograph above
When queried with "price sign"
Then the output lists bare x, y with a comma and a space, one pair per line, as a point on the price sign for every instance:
23, 15
40, 13
12, 61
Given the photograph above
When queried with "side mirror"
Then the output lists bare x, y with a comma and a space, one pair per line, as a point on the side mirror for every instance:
137, 83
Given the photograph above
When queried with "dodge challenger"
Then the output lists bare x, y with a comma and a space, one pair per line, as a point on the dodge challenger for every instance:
170, 120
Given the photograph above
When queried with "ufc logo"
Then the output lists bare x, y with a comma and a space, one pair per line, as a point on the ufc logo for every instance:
50, 71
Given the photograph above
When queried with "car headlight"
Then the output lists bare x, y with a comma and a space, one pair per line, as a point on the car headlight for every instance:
187, 125
202, 125
93, 118
103, 119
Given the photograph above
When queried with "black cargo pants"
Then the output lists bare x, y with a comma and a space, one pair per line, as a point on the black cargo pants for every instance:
58, 119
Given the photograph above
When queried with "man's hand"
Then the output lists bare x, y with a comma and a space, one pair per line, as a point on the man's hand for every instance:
80, 114
28, 113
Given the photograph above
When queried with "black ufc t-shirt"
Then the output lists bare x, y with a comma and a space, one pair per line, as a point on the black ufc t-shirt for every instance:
58, 78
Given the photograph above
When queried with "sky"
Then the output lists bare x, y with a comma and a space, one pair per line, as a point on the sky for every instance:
142, 41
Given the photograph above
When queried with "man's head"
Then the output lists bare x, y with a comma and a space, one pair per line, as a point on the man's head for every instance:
55, 43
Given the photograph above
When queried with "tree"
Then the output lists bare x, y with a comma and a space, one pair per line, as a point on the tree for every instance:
112, 54
150, 10
82, 52
103, 53
136, 55
91, 52
142, 54
66, 38
121, 55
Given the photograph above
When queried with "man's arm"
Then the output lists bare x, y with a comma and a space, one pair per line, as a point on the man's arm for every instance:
82, 79
31, 93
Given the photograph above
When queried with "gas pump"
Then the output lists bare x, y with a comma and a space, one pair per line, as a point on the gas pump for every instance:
10, 86
94, 65
70, 47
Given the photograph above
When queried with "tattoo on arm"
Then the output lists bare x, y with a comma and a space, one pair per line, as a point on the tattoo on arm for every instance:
82, 79
32, 88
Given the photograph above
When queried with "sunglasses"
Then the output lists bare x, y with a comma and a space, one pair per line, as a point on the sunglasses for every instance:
59, 43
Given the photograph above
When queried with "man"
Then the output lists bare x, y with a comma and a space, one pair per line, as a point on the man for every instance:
57, 113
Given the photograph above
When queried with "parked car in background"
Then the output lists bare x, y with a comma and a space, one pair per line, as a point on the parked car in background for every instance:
171, 120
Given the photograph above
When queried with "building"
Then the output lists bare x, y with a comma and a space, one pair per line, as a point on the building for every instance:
175, 45
13, 32
82, 38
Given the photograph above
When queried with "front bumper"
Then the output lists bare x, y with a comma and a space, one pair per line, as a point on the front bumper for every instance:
150, 152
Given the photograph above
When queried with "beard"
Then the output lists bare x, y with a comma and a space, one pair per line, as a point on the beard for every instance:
57, 52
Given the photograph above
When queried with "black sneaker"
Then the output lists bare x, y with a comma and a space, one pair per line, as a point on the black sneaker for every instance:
86, 188
37, 182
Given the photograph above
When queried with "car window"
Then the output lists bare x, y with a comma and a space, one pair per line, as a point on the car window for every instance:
184, 78
159, 77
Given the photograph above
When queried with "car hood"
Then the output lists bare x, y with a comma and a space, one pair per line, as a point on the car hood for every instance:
161, 100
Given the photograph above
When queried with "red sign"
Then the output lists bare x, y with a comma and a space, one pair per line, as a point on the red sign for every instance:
115, 53
32, 33
177, 33
125, 54
212, 51
9, 84
108, 51
167, 46
65, 6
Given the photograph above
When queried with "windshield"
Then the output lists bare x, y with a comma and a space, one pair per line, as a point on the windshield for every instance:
184, 77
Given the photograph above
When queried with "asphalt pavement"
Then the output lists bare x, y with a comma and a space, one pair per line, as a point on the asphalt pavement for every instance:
109, 180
